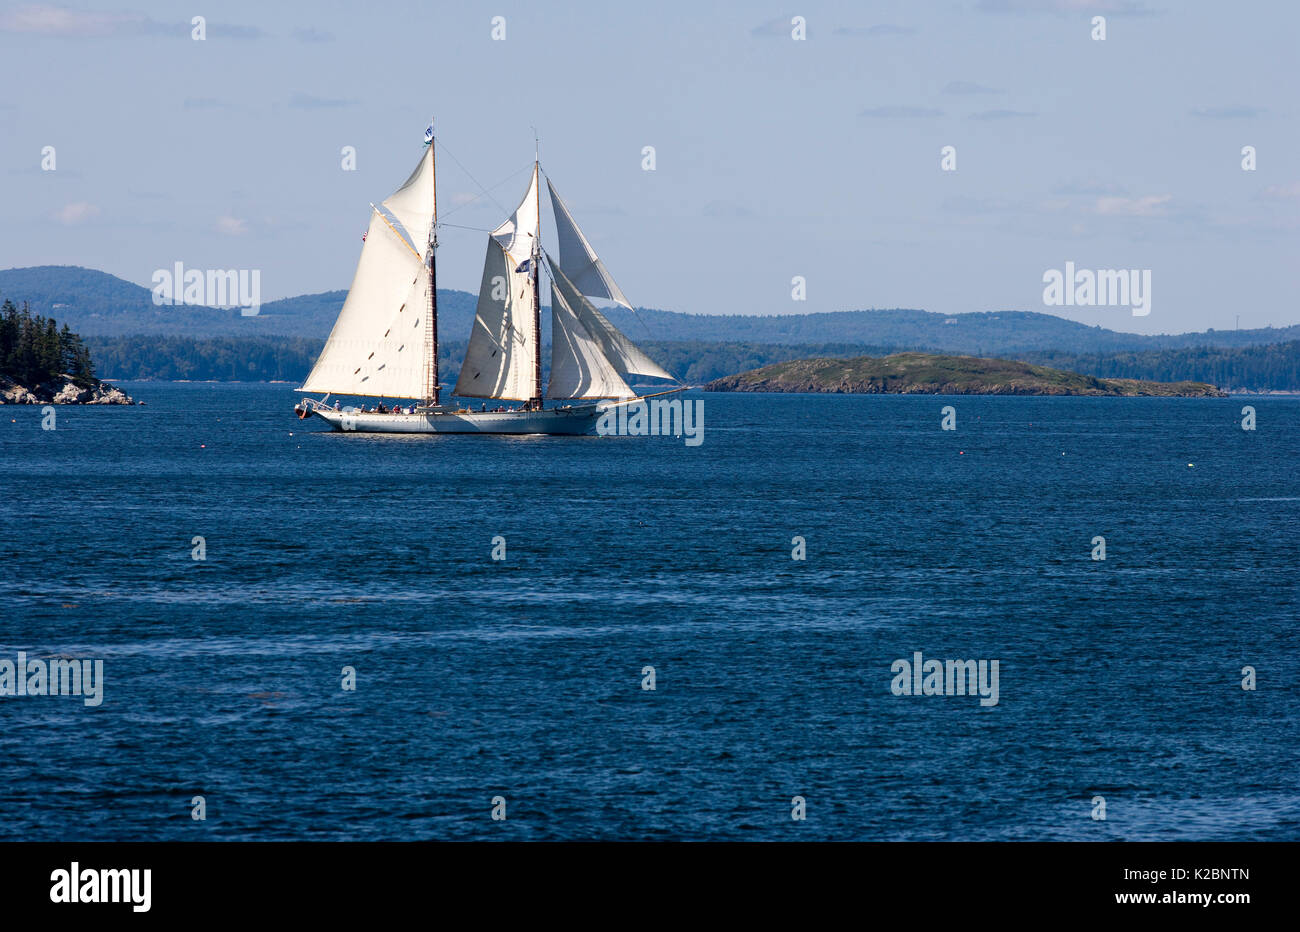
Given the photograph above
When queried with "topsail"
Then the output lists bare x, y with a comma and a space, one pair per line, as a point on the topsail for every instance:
414, 203
578, 260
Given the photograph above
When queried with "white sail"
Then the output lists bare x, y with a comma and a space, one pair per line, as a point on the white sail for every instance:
378, 345
578, 260
518, 235
501, 359
623, 355
413, 204
579, 368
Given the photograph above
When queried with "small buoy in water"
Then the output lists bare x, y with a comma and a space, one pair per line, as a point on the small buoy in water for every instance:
203, 446
1191, 464
961, 452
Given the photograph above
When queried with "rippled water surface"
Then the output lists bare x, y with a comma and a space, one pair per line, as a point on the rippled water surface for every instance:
522, 678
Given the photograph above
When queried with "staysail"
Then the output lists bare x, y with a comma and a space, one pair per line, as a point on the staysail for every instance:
578, 260
579, 367
623, 356
377, 346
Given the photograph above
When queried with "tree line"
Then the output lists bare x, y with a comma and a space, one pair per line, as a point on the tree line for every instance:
34, 350
1273, 366
1268, 367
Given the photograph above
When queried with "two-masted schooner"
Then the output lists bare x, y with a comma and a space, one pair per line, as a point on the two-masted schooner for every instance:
385, 341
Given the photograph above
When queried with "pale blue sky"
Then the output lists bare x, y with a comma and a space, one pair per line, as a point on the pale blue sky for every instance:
775, 157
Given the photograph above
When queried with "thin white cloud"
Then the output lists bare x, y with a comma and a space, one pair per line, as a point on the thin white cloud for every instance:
232, 226
1280, 192
76, 212
49, 20
1151, 205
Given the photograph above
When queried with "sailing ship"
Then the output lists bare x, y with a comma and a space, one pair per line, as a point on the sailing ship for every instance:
385, 341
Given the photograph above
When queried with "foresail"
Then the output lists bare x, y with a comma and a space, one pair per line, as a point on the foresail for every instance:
623, 355
578, 260
579, 368
500, 360
377, 346
413, 203
518, 235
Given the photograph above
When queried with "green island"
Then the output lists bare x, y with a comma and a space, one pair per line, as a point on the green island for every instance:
930, 374
43, 364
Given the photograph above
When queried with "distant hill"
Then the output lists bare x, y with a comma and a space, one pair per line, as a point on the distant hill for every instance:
98, 304
1003, 333
930, 374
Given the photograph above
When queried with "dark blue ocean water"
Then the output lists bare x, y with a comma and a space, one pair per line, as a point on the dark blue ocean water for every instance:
522, 679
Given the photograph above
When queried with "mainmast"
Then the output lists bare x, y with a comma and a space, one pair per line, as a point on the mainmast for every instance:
537, 278
432, 390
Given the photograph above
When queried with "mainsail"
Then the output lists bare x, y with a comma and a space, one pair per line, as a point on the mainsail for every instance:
578, 260
378, 344
501, 361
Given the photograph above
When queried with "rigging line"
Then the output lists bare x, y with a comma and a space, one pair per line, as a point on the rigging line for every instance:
476, 197
460, 227
473, 179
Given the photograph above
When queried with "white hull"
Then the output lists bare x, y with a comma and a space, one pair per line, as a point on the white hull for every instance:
575, 420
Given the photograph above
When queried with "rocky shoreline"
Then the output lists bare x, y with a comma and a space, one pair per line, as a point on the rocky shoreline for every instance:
932, 374
61, 391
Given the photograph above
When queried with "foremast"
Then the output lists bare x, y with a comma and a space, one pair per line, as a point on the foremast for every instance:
432, 390
536, 268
